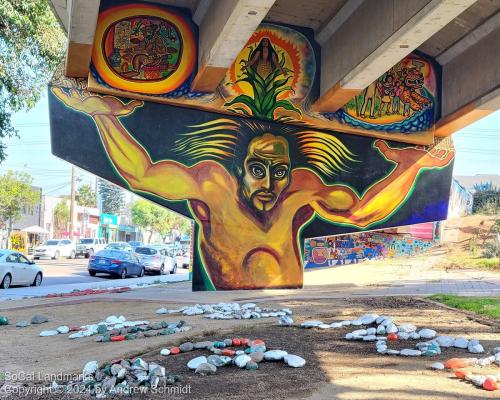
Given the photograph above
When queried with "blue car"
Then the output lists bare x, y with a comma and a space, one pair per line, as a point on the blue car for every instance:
118, 263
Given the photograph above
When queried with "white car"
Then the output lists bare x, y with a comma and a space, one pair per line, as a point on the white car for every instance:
88, 246
16, 269
55, 248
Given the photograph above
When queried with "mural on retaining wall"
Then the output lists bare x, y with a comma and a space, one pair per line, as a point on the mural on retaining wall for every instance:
351, 249
151, 50
255, 189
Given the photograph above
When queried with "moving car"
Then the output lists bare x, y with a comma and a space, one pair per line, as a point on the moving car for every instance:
55, 248
16, 269
88, 246
156, 259
135, 244
119, 263
119, 246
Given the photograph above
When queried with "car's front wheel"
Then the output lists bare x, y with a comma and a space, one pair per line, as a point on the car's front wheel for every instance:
91, 273
90, 253
141, 274
7, 280
123, 275
56, 255
38, 280
174, 270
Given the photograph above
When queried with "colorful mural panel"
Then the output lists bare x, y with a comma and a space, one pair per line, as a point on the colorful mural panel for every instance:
352, 249
150, 50
255, 189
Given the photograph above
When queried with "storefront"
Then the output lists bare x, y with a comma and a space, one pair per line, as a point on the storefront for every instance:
108, 229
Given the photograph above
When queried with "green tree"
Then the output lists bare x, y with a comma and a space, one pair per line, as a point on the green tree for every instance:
143, 216
61, 215
16, 196
85, 196
112, 197
31, 46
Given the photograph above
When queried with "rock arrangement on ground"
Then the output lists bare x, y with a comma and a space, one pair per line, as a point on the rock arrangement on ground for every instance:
36, 319
244, 353
382, 330
228, 311
459, 365
118, 329
4, 320
119, 377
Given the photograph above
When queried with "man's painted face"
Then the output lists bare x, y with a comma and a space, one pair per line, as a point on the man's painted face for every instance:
266, 171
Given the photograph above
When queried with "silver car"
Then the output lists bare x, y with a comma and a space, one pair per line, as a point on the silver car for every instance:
156, 259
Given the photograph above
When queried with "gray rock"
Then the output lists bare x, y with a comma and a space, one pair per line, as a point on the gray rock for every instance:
445, 341
196, 362
216, 360
48, 333
258, 356
203, 345
393, 352
115, 368
336, 324
90, 368
324, 326
206, 369
294, 361
403, 335
285, 320
460, 343
241, 361
427, 333
368, 319
437, 365
381, 330
369, 338
495, 350
108, 384
22, 324
410, 353
274, 355
407, 328
185, 347
39, 319
310, 324
475, 347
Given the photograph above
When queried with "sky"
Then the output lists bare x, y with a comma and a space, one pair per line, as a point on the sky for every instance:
478, 151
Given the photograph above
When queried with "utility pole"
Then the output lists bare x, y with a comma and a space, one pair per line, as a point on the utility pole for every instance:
72, 204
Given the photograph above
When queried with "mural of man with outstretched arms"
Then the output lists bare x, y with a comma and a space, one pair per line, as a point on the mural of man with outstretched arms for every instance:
249, 215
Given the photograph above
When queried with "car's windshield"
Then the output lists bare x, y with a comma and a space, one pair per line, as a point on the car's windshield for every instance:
51, 243
146, 251
110, 254
86, 241
134, 243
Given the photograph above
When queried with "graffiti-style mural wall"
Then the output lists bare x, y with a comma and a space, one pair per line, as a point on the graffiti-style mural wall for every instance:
352, 249
143, 49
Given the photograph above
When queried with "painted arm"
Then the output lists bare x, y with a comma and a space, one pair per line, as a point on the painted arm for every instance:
339, 203
166, 178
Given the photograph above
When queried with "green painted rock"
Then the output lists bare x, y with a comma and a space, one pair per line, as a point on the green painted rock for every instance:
167, 332
4, 321
106, 338
129, 336
251, 365
102, 329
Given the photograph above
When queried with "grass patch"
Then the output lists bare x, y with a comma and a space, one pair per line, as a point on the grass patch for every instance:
464, 259
489, 306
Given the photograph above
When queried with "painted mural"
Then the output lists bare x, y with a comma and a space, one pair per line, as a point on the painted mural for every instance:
150, 50
352, 249
255, 189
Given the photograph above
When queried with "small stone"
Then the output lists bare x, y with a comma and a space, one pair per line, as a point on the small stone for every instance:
108, 384
407, 328
39, 319
475, 347
22, 324
115, 369
386, 322
140, 364
102, 329
414, 336
369, 338
460, 343
455, 363
241, 361
257, 356
185, 347
345, 323
371, 331
63, 329
324, 326
410, 353
357, 322
368, 319
336, 325
251, 365
496, 350
294, 361
274, 355
359, 332
437, 366
175, 350
393, 352
403, 335
228, 342
427, 333
90, 368
203, 345
380, 330
48, 333
164, 352
490, 384
216, 360
379, 320
196, 362
445, 341
310, 324
392, 337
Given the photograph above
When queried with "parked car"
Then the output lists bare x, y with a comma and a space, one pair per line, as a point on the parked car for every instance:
16, 269
119, 246
88, 246
55, 248
135, 244
179, 259
120, 263
186, 259
156, 259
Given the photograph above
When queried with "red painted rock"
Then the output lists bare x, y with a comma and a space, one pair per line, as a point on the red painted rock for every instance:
257, 342
118, 338
236, 342
455, 363
461, 374
392, 337
244, 342
175, 350
490, 384
74, 328
228, 352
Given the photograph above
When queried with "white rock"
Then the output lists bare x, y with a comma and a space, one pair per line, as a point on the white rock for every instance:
483, 362
371, 331
379, 320
248, 305
460, 343
359, 332
414, 336
162, 311
345, 323
76, 335
437, 365
63, 329
403, 335
356, 322
391, 328
382, 349
324, 326
48, 333
393, 352
495, 350
368, 319
475, 347
336, 325
349, 336
427, 333
274, 355
196, 362
90, 368
285, 320
387, 321
410, 353
239, 352
477, 380
164, 352
310, 324
242, 360
369, 338
407, 328
294, 361
445, 341
381, 330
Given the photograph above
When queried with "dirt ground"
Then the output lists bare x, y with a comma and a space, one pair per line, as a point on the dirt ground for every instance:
335, 369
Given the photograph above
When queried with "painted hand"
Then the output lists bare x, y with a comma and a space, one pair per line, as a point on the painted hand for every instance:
417, 155
94, 104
